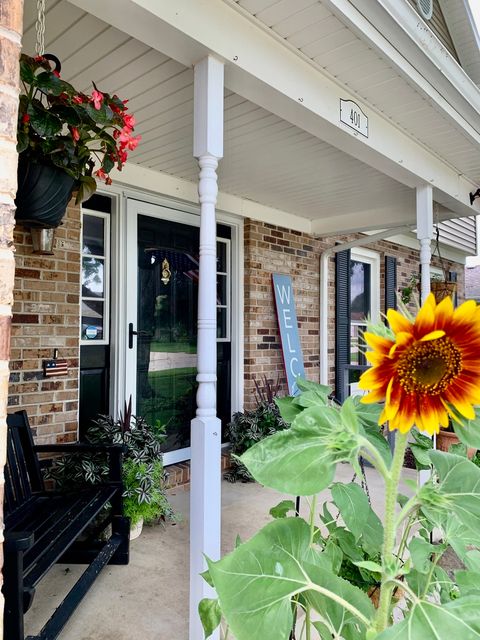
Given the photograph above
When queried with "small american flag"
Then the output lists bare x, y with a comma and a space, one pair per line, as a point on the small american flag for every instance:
58, 367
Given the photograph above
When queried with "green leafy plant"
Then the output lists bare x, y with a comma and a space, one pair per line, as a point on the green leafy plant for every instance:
317, 571
62, 127
407, 292
143, 473
143, 495
249, 427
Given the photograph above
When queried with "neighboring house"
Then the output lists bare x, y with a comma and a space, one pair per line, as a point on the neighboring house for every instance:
472, 280
345, 122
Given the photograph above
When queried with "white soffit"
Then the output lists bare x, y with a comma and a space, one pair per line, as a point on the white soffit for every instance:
318, 34
266, 160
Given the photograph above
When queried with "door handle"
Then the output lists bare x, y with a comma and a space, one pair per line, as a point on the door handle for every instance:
131, 333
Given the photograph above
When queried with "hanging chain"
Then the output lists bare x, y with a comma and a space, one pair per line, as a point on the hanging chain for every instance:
40, 28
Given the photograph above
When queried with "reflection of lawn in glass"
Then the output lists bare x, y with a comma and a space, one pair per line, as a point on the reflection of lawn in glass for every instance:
172, 347
173, 403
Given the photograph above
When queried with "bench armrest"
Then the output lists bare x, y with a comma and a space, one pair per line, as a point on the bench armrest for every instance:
78, 447
18, 540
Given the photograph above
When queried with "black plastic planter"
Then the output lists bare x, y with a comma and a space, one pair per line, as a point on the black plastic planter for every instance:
43, 194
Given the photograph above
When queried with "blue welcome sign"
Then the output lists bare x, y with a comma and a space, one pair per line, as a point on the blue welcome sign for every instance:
287, 322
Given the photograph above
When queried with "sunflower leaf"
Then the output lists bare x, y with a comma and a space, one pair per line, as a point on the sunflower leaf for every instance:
301, 460
469, 432
429, 621
352, 502
257, 582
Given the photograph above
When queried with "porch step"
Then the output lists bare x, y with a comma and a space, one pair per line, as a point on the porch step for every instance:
179, 474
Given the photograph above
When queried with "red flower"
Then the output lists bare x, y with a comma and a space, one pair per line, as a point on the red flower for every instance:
39, 58
127, 141
75, 133
108, 180
25, 118
101, 175
123, 155
56, 73
116, 134
129, 120
133, 142
77, 99
97, 97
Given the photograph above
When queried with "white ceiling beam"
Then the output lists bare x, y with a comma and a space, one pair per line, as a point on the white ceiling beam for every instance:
267, 72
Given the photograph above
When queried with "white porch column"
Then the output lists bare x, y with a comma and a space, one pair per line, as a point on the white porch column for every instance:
425, 235
206, 428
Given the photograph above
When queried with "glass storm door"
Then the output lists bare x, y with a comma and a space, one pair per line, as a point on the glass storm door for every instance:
162, 327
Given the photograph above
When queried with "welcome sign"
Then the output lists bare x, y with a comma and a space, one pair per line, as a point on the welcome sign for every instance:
287, 322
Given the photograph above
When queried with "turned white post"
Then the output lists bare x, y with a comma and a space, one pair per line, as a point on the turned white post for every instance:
206, 428
425, 235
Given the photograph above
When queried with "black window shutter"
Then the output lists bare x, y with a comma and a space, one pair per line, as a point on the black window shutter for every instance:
390, 283
342, 320
453, 277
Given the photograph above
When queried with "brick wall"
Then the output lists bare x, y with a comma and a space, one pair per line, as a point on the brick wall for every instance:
271, 249
46, 316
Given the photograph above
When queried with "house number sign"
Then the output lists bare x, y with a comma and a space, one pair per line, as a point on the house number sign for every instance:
353, 116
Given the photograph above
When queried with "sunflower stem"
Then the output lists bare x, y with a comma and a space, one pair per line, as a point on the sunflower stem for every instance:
390, 532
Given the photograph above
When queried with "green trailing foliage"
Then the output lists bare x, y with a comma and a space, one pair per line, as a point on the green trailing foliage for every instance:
319, 571
143, 474
249, 427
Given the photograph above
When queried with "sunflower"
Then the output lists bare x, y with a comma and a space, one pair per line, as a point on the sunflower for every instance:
430, 371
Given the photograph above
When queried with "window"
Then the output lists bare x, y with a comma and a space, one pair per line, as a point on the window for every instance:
95, 278
223, 290
357, 299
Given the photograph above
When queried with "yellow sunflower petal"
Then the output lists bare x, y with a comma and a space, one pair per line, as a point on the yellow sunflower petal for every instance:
465, 312
397, 322
377, 395
377, 342
371, 379
424, 322
443, 312
433, 335
374, 358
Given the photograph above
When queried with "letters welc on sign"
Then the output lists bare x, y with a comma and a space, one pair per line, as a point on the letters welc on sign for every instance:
287, 322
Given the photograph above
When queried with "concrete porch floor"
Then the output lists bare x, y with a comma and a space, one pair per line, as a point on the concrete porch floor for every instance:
148, 599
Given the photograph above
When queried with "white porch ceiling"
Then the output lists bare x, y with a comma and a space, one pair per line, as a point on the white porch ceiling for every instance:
317, 33
266, 159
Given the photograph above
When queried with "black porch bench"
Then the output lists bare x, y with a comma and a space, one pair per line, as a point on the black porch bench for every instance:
43, 527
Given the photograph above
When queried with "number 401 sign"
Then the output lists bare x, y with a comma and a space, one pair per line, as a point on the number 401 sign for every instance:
353, 116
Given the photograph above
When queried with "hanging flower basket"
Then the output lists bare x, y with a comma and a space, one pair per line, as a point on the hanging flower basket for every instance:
66, 140
442, 289
43, 194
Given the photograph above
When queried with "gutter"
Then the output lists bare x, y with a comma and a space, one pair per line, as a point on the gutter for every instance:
324, 302
396, 32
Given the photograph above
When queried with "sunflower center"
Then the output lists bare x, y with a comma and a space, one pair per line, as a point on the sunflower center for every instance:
429, 367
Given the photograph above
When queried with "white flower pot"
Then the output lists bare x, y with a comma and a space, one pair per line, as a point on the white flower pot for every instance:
136, 529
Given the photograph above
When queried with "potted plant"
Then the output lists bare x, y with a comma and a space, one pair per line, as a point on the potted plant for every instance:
62, 134
143, 499
249, 427
441, 285
143, 473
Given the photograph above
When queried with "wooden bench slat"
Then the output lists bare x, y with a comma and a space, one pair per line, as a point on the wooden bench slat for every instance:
76, 526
